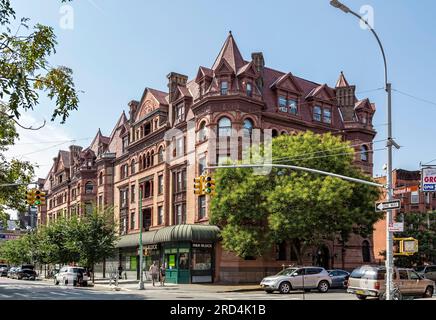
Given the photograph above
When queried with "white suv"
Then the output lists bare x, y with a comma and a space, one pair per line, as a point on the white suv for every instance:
72, 275
292, 278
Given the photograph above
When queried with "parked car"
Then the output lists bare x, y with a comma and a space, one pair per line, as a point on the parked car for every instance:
4, 271
428, 272
25, 274
339, 278
76, 275
11, 272
370, 281
292, 278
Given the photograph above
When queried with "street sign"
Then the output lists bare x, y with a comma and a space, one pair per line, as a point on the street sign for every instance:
428, 183
387, 205
396, 227
403, 190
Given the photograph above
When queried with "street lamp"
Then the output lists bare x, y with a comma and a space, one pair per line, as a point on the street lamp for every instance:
141, 254
390, 143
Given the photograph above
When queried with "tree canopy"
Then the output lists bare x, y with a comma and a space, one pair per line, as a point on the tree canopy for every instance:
25, 74
257, 211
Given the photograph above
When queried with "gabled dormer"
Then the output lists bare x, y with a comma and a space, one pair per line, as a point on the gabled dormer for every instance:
247, 77
321, 101
288, 94
203, 79
364, 111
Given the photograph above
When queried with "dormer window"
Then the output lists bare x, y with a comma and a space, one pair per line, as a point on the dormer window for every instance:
249, 90
317, 113
283, 104
180, 112
293, 108
364, 118
327, 117
147, 129
224, 88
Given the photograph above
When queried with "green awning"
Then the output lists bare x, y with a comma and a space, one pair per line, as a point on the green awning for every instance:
188, 232
182, 232
132, 240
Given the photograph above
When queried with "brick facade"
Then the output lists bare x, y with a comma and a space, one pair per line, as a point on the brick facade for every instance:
158, 148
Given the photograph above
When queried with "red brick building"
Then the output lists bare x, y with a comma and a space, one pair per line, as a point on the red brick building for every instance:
406, 186
169, 137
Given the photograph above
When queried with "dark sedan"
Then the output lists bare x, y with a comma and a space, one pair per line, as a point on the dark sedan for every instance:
4, 271
339, 278
25, 274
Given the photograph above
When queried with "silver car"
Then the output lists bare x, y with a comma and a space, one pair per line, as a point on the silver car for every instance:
292, 278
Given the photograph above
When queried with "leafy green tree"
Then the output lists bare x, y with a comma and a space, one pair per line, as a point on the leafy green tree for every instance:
25, 73
257, 211
96, 238
422, 227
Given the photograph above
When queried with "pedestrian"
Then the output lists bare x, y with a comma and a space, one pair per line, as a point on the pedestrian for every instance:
162, 274
120, 271
154, 272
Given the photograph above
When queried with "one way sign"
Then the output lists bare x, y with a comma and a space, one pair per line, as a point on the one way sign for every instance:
388, 205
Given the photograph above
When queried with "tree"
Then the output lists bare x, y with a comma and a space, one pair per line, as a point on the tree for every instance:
422, 227
25, 73
96, 238
255, 212
25, 70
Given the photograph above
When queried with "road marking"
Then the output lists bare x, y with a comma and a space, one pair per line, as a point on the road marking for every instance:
57, 293
21, 294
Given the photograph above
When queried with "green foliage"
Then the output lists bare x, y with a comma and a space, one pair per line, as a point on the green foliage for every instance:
86, 241
25, 70
422, 227
24, 73
257, 211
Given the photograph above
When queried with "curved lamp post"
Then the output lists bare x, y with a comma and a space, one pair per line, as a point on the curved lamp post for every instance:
390, 143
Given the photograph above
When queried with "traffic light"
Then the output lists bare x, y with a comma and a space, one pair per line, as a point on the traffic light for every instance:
209, 185
30, 197
405, 246
198, 185
39, 198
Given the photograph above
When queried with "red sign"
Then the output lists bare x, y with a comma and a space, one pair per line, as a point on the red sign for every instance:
408, 189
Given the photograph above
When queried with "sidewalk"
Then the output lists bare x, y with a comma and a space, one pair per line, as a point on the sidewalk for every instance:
132, 285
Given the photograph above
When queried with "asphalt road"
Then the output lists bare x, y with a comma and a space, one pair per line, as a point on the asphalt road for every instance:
11, 289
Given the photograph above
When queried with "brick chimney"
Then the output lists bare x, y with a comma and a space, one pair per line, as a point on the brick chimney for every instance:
259, 64
174, 80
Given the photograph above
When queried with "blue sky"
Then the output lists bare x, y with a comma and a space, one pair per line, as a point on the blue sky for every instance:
117, 48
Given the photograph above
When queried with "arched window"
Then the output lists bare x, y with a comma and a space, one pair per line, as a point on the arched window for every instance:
132, 167
144, 162
100, 178
248, 127
152, 158
147, 161
366, 252
89, 187
224, 127
160, 155
275, 133
364, 153
202, 132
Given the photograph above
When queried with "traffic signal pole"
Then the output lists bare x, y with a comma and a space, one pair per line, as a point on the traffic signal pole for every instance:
374, 184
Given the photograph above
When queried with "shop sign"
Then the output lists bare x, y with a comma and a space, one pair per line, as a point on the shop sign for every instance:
202, 245
151, 247
428, 183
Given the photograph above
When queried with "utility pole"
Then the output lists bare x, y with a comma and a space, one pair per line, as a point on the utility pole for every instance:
390, 143
141, 254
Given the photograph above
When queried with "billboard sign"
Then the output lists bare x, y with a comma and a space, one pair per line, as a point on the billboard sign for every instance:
428, 183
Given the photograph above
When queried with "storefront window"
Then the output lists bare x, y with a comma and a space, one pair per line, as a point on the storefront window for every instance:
133, 264
183, 261
201, 259
171, 261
